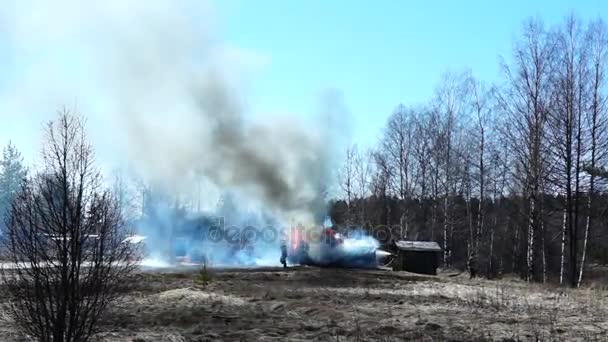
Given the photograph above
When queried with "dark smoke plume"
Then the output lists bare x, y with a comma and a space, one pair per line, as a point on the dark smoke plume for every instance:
166, 97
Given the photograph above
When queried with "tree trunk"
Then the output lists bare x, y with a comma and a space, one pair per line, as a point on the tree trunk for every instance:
446, 254
472, 240
514, 255
588, 224
563, 259
404, 227
542, 230
544, 256
480, 214
531, 237
433, 219
597, 124
491, 263
578, 167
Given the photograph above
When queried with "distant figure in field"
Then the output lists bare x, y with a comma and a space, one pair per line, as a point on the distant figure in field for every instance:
472, 265
284, 253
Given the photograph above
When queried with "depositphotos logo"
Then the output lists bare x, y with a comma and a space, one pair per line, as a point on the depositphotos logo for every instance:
272, 234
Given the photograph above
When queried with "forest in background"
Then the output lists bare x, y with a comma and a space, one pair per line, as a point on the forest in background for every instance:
510, 175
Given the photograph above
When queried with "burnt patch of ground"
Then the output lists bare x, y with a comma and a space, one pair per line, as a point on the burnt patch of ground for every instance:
313, 304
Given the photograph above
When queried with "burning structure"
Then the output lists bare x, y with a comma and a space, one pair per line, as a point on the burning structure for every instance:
206, 240
232, 236
327, 247
171, 236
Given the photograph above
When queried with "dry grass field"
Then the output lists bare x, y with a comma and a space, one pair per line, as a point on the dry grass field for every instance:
312, 304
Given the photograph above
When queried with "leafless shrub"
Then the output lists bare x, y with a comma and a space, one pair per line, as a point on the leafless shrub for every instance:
486, 299
64, 239
204, 276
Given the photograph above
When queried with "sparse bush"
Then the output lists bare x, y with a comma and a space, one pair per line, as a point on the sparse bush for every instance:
204, 276
496, 300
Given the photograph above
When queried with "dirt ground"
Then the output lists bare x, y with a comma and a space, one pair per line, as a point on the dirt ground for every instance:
312, 304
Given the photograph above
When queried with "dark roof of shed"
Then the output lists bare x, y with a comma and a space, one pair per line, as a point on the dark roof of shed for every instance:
418, 246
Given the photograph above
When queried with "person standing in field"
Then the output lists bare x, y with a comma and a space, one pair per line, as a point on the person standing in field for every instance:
471, 264
284, 253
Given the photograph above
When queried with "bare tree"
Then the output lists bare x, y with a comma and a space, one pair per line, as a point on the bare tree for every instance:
398, 145
348, 175
422, 153
64, 239
525, 100
449, 99
566, 126
596, 121
363, 173
125, 195
434, 153
498, 172
381, 184
481, 130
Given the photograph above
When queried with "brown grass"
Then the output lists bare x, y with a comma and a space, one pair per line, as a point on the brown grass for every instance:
303, 304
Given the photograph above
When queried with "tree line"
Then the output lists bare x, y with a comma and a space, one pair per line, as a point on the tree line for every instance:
511, 174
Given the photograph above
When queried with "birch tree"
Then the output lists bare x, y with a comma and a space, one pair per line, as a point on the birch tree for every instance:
597, 39
525, 100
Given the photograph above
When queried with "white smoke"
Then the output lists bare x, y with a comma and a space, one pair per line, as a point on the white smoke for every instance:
164, 95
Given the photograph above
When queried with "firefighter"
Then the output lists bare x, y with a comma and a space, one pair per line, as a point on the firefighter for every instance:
284, 253
472, 265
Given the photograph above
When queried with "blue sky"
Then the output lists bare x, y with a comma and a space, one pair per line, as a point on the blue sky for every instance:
130, 67
378, 53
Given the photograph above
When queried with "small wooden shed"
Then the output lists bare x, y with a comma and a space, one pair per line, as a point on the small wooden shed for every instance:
417, 256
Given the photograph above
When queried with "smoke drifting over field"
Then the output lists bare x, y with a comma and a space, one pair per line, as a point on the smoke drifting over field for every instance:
165, 96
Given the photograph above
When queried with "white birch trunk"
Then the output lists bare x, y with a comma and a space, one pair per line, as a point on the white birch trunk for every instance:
530, 259
580, 273
563, 258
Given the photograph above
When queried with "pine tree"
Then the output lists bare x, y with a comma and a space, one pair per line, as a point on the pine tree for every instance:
12, 172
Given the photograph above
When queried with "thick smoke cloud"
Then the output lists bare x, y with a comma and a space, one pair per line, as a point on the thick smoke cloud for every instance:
164, 95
